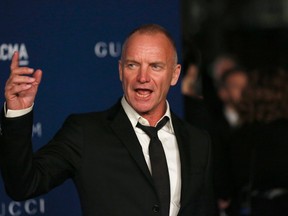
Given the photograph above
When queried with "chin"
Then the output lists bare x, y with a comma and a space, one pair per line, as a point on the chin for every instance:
142, 109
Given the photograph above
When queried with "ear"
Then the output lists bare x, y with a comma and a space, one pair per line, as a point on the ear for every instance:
120, 69
176, 74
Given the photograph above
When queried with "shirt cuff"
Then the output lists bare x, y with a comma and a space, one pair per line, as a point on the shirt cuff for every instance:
16, 113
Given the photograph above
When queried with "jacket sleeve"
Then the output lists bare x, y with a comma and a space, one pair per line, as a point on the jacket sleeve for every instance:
27, 174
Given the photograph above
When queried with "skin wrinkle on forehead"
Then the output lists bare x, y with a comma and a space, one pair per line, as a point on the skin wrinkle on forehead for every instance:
124, 47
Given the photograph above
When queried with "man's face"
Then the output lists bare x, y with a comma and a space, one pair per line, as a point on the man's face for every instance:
235, 84
147, 70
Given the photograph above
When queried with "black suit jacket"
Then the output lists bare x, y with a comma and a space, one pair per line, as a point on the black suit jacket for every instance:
101, 153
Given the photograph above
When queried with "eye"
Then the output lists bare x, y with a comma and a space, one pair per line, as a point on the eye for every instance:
156, 67
131, 65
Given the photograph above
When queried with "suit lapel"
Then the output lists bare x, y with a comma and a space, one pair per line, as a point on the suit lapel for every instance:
123, 129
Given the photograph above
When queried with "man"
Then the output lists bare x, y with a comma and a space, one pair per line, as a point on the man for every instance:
105, 153
230, 87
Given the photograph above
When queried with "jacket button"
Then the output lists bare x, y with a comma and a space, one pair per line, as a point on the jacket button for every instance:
156, 208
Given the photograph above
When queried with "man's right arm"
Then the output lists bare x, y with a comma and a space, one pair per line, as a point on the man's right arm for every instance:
27, 174
16, 122
16, 153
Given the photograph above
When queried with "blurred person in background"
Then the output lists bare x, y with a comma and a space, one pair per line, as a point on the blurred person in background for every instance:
195, 107
220, 119
191, 84
259, 155
200, 89
221, 64
230, 87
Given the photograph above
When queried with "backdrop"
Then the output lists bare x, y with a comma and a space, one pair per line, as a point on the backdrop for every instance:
77, 45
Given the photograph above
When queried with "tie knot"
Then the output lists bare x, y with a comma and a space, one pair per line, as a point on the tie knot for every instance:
152, 131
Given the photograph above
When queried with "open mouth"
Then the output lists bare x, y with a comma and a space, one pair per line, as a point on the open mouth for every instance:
143, 93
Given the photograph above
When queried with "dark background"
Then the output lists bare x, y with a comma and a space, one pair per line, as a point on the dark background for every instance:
255, 31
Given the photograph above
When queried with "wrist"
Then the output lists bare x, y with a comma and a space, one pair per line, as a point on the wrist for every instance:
11, 113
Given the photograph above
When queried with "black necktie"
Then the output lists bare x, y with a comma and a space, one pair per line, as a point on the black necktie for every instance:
159, 167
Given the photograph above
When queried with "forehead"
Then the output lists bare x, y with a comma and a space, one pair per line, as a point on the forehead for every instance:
237, 76
148, 43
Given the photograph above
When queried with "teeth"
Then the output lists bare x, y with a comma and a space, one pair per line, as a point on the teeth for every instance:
143, 93
143, 96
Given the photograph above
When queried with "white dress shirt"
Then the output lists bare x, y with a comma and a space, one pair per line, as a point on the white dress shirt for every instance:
167, 136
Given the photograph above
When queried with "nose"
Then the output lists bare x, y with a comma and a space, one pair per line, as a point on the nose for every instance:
143, 75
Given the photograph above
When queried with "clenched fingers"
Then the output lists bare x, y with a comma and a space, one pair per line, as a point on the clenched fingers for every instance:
16, 89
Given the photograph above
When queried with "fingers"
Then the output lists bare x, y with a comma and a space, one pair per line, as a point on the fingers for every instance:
22, 71
15, 61
20, 80
22, 85
17, 75
15, 84
37, 76
12, 91
15, 69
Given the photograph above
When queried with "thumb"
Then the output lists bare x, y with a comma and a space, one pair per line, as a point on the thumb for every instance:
38, 76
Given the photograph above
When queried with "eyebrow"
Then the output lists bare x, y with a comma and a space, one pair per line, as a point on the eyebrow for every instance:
130, 61
151, 63
158, 62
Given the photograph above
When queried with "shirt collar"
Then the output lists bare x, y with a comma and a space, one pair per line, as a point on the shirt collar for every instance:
134, 117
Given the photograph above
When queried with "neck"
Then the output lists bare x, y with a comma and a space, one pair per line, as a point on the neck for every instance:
151, 119
154, 117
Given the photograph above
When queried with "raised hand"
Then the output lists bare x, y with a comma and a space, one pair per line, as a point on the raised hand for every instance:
21, 89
